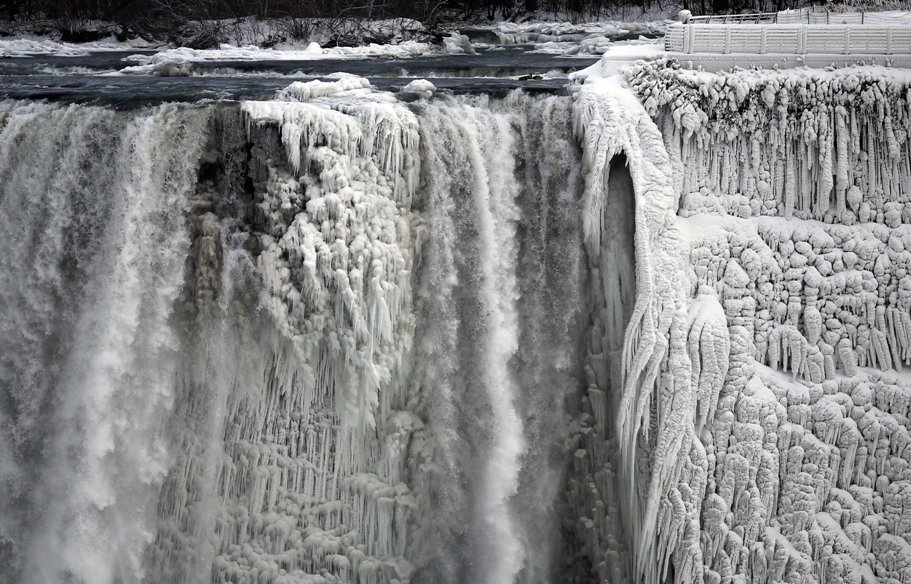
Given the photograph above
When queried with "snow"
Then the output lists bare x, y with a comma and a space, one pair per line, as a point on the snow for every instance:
420, 87
545, 32
23, 47
183, 57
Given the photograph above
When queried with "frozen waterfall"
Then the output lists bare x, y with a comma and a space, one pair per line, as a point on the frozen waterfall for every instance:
324, 338
651, 331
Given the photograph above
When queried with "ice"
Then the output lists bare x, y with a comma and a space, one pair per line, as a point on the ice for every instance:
421, 88
25, 46
792, 190
312, 51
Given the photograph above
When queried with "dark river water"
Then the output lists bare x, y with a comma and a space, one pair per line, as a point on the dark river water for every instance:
93, 78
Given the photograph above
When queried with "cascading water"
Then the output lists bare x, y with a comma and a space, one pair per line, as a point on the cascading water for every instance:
93, 221
489, 270
326, 338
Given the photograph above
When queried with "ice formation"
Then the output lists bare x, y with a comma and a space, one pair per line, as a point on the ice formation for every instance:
776, 444
184, 56
653, 331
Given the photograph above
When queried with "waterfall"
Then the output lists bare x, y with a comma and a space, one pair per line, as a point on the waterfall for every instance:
348, 336
94, 203
486, 268
331, 337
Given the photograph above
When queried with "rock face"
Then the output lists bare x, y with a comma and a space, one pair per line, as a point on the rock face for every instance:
651, 332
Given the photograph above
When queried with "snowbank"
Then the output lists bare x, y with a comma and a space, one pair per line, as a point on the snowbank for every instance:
543, 32
23, 47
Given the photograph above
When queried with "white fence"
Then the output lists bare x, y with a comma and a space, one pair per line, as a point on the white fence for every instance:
807, 16
789, 39
750, 18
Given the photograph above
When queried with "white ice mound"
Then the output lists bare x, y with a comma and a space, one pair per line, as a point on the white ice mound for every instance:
344, 85
337, 270
421, 88
456, 44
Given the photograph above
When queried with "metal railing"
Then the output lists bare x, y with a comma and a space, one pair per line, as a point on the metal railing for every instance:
801, 16
789, 39
754, 18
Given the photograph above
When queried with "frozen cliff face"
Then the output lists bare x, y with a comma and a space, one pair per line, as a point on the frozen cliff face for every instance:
642, 453
779, 391
826, 145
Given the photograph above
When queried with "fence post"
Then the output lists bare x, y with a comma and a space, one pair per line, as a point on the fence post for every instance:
690, 36
847, 40
727, 40
889, 41
762, 48
802, 41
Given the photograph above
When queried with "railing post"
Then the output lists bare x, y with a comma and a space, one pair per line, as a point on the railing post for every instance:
802, 41
762, 48
847, 40
889, 41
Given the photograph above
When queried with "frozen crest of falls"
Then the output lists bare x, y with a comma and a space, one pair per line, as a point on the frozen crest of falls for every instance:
652, 331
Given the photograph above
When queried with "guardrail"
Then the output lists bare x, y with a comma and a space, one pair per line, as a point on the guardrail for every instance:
801, 16
788, 39
754, 18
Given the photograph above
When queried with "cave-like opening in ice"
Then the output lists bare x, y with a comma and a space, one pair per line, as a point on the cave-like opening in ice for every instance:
619, 287
619, 227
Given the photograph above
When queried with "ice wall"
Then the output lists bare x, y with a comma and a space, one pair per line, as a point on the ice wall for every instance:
637, 491
777, 382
